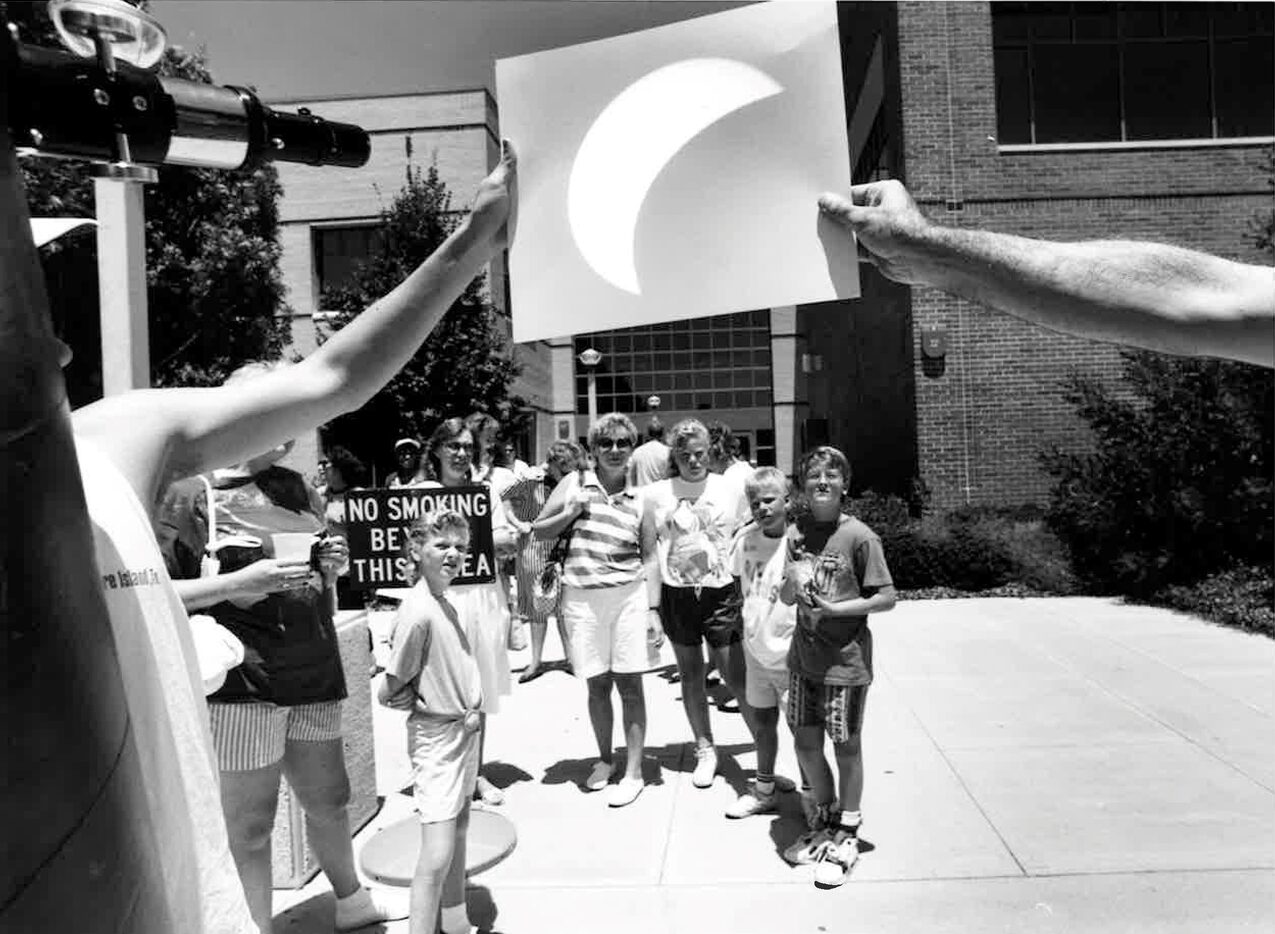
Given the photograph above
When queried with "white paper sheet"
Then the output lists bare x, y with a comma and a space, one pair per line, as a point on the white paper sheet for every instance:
673, 173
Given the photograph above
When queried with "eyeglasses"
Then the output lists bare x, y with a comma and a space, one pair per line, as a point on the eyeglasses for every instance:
614, 444
457, 446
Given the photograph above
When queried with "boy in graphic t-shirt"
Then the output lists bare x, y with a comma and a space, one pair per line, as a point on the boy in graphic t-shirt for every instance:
836, 574
757, 560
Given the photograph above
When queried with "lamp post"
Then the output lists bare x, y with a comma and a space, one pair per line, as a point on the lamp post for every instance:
589, 359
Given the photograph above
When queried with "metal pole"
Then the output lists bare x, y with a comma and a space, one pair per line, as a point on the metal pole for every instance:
121, 285
593, 395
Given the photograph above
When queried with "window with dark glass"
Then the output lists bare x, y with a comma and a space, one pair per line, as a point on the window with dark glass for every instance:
704, 363
339, 251
1121, 72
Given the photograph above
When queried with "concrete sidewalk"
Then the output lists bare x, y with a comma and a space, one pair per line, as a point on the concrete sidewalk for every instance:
1046, 765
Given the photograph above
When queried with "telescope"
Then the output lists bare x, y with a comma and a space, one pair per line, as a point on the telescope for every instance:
101, 102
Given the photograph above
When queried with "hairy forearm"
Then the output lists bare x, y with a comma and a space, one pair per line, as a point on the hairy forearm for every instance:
1148, 295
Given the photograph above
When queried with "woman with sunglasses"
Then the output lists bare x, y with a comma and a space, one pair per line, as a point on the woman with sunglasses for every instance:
693, 514
481, 607
608, 598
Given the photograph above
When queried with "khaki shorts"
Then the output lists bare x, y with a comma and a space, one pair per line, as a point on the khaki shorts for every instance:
254, 735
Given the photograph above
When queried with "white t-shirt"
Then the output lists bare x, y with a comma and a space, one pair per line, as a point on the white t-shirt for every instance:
758, 561
737, 475
694, 523
178, 774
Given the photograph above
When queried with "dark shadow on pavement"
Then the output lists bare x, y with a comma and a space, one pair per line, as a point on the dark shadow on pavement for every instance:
502, 774
575, 771
482, 908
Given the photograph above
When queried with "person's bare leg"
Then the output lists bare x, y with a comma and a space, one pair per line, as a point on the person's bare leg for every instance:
316, 772
438, 845
249, 800
633, 716
564, 634
539, 629
730, 663
815, 768
601, 714
766, 736
454, 885
849, 772
690, 667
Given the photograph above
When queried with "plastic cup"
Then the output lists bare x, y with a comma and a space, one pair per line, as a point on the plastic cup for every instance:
293, 546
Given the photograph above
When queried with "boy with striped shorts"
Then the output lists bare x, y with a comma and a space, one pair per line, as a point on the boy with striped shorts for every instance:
836, 575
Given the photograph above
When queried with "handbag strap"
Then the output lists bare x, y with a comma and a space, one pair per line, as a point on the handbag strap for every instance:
212, 510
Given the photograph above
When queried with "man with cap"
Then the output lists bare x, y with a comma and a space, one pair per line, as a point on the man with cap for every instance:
411, 469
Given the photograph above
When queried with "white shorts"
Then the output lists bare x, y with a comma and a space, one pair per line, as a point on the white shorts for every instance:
764, 687
608, 628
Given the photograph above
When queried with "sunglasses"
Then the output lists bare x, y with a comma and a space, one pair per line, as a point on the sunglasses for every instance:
457, 446
614, 444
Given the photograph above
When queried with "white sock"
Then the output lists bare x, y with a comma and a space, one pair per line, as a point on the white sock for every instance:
456, 919
851, 819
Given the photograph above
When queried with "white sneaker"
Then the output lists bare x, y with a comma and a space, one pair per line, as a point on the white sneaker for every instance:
807, 847
754, 802
705, 766
600, 777
364, 907
625, 791
835, 859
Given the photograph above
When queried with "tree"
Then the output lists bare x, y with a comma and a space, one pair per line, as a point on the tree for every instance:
464, 366
214, 289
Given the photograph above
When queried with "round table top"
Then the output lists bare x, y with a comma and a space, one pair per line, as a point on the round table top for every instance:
390, 856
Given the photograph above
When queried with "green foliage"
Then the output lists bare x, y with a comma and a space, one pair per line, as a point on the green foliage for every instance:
1243, 598
464, 366
1178, 485
969, 549
214, 289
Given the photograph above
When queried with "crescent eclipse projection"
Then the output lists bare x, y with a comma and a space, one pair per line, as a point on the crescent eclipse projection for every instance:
631, 141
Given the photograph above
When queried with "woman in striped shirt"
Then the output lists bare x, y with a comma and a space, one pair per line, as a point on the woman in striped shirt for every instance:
610, 595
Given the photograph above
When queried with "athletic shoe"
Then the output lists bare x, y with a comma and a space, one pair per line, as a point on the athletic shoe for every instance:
600, 777
754, 802
835, 859
365, 907
807, 848
705, 766
625, 791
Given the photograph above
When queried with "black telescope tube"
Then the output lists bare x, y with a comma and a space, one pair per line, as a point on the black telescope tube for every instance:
63, 105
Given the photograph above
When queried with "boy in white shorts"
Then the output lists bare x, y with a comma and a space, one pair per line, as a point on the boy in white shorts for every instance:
433, 674
757, 560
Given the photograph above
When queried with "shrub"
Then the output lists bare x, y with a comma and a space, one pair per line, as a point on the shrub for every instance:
968, 549
1243, 598
1178, 486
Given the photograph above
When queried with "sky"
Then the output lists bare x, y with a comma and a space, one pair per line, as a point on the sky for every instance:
299, 49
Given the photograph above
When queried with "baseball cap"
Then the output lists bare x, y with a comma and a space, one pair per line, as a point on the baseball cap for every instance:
406, 441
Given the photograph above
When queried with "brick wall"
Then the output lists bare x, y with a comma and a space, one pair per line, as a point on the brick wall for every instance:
990, 408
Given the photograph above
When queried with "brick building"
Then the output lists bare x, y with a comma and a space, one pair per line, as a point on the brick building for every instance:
1057, 120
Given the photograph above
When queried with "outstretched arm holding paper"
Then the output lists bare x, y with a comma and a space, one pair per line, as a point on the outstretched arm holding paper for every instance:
1147, 295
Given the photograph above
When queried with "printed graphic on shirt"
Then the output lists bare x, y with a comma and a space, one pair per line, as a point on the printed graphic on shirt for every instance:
697, 543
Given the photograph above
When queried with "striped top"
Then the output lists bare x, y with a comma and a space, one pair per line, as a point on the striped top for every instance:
605, 549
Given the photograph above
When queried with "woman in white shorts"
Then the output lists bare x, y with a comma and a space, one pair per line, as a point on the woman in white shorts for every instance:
610, 598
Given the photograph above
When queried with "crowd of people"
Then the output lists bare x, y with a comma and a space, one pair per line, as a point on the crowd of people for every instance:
779, 589
699, 548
